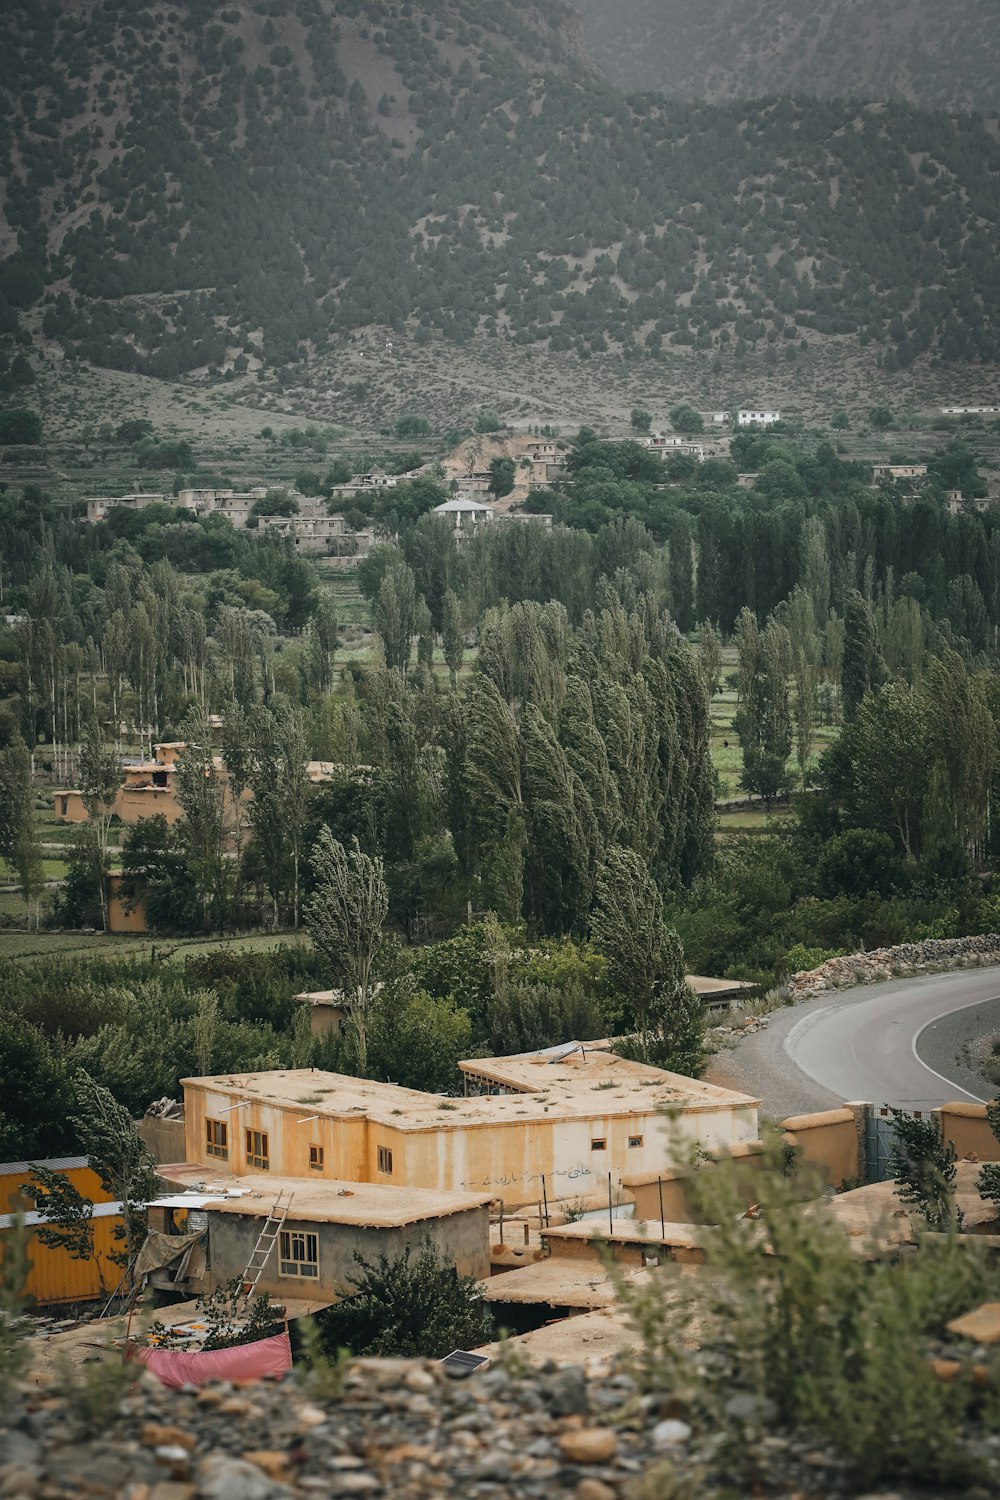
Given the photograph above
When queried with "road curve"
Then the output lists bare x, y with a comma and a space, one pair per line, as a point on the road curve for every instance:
895, 1043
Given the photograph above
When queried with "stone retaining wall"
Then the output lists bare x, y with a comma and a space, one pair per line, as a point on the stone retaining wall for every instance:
927, 957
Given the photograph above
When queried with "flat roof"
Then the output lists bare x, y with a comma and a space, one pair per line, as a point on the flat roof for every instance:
631, 1231
596, 1086
600, 1335
573, 1068
322, 1200
557, 1283
703, 985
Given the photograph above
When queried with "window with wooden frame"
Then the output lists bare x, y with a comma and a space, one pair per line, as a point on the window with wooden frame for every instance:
598, 1144
316, 1154
217, 1139
257, 1149
385, 1160
298, 1253
634, 1141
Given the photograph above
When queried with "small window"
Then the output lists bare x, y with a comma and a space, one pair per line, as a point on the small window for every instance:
599, 1144
298, 1253
316, 1158
257, 1152
634, 1141
217, 1139
385, 1160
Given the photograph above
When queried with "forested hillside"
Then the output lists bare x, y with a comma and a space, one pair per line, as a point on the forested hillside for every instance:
936, 56
216, 186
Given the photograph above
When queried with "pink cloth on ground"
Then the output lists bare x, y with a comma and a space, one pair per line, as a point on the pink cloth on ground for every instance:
177, 1367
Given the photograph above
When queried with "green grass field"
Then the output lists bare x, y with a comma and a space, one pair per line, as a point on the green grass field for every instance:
28, 945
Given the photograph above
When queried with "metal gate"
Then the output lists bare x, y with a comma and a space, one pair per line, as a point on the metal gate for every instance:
880, 1136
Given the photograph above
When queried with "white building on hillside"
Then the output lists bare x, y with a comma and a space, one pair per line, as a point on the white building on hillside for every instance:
465, 512
758, 418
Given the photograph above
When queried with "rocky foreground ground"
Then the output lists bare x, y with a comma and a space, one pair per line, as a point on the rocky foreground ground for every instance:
400, 1428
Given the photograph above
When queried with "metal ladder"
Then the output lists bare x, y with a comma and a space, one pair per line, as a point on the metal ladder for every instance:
261, 1252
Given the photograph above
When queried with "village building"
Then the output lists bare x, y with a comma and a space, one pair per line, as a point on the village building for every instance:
149, 787
312, 530
669, 443
98, 506
55, 1275
465, 513
558, 1123
315, 1228
899, 471
759, 418
313, 534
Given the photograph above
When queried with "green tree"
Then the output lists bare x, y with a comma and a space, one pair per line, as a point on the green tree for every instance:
415, 1040
413, 1306
280, 785
410, 424
502, 476
452, 634
36, 1093
277, 502
118, 1155
763, 718
686, 419
709, 657
923, 1165
323, 642
395, 615
888, 750
858, 861
862, 667
201, 792
236, 757
66, 1215
19, 842
964, 744
345, 916
645, 965
100, 782
641, 420
18, 427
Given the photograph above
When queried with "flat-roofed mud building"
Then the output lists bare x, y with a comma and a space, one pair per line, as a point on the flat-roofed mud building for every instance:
572, 1116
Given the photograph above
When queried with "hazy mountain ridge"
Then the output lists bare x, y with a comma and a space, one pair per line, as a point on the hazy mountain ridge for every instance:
936, 56
212, 187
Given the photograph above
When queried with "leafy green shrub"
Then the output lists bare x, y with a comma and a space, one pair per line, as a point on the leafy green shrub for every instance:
923, 1164
414, 1306
988, 1181
800, 1335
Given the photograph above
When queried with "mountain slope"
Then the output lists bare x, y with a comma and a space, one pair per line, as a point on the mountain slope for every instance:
243, 186
933, 55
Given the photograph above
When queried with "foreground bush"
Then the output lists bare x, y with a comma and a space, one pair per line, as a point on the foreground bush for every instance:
800, 1337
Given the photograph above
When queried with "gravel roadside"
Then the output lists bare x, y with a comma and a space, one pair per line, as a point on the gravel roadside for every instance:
758, 1065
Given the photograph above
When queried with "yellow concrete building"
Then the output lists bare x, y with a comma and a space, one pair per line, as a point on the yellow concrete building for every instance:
559, 1122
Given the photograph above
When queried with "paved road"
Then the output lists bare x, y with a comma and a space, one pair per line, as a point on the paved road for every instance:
896, 1043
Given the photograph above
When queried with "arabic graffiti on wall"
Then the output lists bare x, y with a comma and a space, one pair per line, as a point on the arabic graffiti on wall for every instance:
508, 1179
